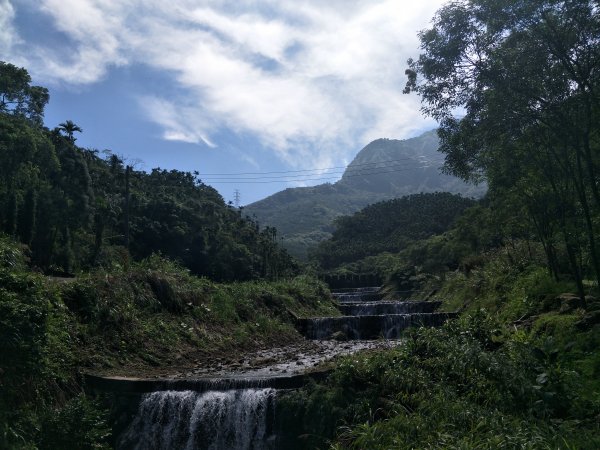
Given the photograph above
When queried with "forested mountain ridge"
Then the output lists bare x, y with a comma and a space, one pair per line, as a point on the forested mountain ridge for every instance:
76, 210
384, 169
389, 226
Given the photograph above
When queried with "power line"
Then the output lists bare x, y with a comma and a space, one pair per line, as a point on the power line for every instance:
241, 181
348, 172
307, 170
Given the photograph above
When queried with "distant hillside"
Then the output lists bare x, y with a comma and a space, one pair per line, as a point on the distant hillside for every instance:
389, 226
384, 169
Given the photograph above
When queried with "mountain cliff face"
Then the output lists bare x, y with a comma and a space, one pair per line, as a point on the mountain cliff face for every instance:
384, 169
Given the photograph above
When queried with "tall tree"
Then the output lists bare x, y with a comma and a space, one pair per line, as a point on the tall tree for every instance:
18, 97
69, 128
516, 88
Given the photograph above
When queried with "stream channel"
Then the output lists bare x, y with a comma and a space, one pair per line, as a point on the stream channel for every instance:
234, 406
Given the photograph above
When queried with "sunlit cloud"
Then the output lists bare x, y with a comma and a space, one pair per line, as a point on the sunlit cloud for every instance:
8, 35
312, 81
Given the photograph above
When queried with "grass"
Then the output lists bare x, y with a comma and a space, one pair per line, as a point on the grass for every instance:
470, 384
515, 371
122, 322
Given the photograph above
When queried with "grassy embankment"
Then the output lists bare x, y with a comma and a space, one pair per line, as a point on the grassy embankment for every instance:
520, 369
145, 320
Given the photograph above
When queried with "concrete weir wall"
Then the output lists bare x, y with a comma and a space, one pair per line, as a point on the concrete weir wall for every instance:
388, 326
97, 383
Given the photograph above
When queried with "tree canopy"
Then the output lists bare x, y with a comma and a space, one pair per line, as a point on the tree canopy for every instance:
515, 87
76, 210
18, 97
389, 226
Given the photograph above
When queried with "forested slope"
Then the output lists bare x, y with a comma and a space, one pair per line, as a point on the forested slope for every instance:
389, 226
75, 209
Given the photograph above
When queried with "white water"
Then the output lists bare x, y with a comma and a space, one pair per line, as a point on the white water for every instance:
236, 419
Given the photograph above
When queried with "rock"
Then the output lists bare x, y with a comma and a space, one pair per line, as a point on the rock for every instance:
588, 321
569, 303
551, 303
339, 336
593, 305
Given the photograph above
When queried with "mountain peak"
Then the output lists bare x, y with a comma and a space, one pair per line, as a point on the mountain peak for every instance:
382, 170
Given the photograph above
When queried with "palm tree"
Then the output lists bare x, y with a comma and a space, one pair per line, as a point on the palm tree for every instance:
68, 127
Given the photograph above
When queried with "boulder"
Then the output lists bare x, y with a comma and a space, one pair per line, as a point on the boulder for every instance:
551, 303
593, 306
339, 336
588, 321
569, 303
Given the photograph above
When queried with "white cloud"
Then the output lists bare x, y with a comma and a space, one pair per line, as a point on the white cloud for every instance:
312, 80
7, 32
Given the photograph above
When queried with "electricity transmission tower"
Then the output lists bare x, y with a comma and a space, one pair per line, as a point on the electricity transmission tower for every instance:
236, 198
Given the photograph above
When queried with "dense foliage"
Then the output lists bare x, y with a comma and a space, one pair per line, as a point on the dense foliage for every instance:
515, 88
389, 226
520, 369
471, 384
121, 322
76, 210
524, 76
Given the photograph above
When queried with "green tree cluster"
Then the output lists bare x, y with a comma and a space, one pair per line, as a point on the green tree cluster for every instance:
75, 208
516, 88
389, 226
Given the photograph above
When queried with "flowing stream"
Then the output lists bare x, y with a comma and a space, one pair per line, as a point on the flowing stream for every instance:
238, 417
367, 316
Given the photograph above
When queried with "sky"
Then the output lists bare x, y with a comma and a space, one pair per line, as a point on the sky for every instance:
256, 96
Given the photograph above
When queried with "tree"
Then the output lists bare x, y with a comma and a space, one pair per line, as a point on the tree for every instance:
68, 127
18, 97
515, 87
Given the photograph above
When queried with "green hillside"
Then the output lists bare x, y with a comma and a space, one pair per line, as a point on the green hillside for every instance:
383, 170
77, 209
389, 226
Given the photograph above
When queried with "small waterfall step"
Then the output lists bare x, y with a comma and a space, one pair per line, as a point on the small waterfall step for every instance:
98, 383
240, 419
388, 326
388, 307
364, 294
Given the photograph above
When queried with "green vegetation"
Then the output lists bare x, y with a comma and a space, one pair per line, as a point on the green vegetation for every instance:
121, 322
76, 211
384, 169
389, 226
470, 384
148, 251
524, 74
520, 368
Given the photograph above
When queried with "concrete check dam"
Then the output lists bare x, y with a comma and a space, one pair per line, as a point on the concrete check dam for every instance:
235, 407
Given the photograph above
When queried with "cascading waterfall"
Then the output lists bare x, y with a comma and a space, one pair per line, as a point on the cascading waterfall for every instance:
238, 419
324, 327
389, 326
393, 325
388, 307
367, 316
